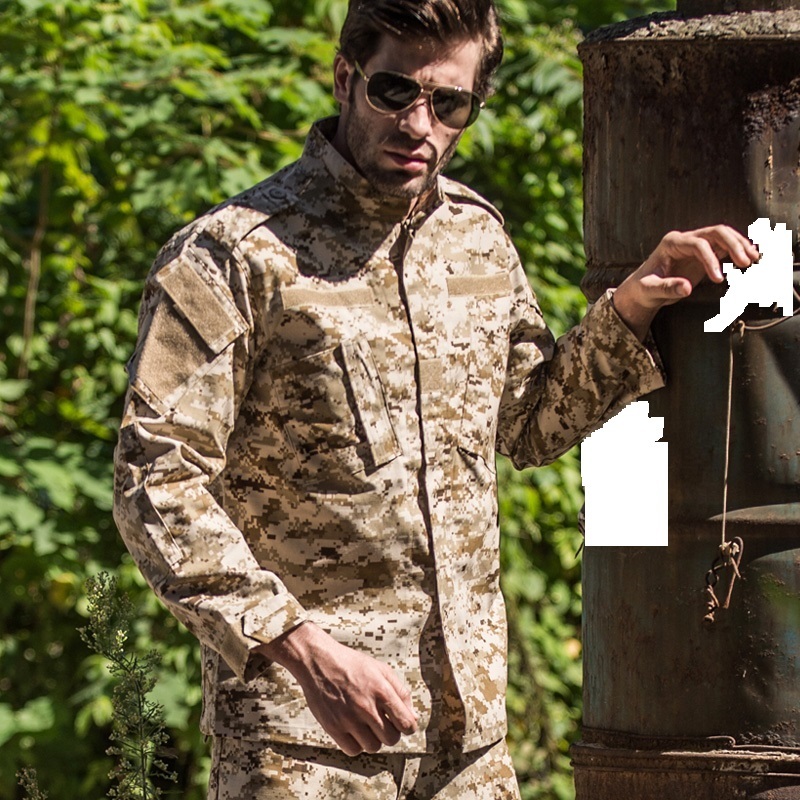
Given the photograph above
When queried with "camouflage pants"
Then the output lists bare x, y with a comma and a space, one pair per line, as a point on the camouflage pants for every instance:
248, 770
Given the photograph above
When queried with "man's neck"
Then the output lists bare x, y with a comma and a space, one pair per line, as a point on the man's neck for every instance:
421, 203
415, 204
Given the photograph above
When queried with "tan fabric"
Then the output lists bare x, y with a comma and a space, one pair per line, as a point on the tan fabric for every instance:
252, 770
310, 435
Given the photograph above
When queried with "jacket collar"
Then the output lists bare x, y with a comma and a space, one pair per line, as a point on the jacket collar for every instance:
320, 153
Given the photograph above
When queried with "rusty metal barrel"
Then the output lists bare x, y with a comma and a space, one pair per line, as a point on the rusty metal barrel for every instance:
693, 118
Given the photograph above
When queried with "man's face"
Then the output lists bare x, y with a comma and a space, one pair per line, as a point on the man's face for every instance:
402, 153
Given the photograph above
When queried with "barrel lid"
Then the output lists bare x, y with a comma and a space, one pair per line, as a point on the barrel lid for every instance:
686, 25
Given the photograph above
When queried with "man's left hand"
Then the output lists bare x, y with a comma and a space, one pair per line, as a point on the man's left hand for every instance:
675, 267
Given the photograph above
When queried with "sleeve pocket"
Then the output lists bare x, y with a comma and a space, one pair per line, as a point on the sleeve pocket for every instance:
193, 321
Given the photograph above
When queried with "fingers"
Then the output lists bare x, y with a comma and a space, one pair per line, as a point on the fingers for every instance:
357, 699
371, 722
393, 714
367, 728
347, 743
705, 254
367, 740
675, 267
396, 716
359, 730
707, 245
726, 240
675, 289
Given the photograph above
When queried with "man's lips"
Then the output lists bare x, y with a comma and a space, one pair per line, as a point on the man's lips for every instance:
415, 162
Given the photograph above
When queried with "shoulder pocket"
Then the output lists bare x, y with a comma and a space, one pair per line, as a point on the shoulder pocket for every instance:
193, 321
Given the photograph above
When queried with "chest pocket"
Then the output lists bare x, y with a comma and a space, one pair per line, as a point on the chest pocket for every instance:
486, 301
334, 415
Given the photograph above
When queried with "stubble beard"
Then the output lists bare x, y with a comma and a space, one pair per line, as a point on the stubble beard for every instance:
394, 183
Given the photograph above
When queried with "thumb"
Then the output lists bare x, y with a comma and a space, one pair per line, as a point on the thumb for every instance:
667, 290
398, 707
678, 287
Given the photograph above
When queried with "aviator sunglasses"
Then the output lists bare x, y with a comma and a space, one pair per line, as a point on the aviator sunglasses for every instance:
392, 92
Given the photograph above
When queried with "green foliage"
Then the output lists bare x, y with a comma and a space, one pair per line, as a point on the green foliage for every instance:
138, 728
541, 583
525, 155
119, 122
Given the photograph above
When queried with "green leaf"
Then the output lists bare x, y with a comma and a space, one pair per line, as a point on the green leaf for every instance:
18, 513
9, 468
36, 716
8, 723
55, 481
11, 390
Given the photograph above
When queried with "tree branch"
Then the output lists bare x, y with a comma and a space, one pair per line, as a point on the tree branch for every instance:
34, 264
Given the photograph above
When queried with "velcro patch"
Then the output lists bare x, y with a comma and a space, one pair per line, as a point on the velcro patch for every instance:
475, 285
214, 316
294, 296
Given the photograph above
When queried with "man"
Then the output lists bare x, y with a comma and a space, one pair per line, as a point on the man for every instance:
305, 471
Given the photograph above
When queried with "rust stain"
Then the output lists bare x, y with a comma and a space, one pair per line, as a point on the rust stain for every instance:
773, 109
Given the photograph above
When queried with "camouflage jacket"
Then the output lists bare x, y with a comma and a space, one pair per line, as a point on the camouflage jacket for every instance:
315, 402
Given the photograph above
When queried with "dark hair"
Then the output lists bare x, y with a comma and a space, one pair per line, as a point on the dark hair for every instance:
445, 21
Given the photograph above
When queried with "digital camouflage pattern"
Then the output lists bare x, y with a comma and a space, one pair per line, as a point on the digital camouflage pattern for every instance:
249, 769
316, 397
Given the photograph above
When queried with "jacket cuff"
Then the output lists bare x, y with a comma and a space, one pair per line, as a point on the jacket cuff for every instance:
641, 360
262, 624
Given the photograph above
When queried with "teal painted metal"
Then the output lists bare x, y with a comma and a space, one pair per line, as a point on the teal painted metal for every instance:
764, 473
654, 669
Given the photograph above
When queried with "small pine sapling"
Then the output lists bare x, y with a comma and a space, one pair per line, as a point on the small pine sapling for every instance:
29, 781
138, 725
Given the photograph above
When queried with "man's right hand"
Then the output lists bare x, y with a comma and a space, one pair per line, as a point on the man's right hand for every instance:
357, 699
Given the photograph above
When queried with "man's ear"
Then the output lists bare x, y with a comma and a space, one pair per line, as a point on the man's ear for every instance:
343, 73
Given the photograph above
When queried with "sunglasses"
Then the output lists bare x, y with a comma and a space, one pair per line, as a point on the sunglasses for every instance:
392, 92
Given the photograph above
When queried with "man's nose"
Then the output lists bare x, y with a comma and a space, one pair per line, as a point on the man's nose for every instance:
418, 120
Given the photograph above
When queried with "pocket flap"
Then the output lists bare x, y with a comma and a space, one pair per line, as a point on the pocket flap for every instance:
204, 303
370, 402
192, 322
